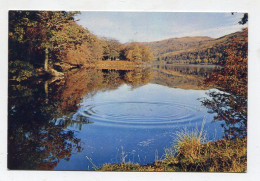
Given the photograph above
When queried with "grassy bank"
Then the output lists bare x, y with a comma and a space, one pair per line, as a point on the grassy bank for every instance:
192, 155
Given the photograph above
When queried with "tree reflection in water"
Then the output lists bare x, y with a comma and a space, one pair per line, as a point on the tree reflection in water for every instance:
184, 77
40, 114
34, 142
232, 110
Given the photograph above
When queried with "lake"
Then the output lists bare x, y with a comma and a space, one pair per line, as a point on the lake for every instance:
97, 116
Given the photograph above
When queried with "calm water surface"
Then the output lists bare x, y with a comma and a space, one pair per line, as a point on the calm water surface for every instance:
93, 117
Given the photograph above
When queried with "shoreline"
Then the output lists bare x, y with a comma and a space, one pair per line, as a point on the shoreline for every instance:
194, 156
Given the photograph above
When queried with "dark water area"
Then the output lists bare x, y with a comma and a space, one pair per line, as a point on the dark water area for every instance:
92, 117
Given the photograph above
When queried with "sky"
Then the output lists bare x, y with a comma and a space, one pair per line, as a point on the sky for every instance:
154, 26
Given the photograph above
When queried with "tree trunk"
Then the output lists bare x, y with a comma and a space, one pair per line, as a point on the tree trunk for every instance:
46, 61
46, 90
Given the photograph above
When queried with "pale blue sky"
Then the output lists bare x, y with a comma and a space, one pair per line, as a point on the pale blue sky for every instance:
153, 26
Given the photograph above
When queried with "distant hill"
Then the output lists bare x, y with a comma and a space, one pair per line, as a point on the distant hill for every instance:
196, 50
176, 44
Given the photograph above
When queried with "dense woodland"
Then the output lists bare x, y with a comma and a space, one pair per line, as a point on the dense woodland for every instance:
45, 39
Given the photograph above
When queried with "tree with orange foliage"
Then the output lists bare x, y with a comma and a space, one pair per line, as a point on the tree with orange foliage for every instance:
230, 106
138, 52
232, 75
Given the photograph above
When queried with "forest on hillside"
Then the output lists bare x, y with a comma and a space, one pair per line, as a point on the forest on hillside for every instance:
193, 50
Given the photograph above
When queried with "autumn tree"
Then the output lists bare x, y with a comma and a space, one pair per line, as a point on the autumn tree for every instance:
147, 54
56, 31
230, 104
89, 52
138, 52
232, 75
96, 48
111, 48
47, 31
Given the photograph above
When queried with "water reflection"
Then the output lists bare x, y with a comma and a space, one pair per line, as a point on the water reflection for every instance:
139, 122
34, 142
41, 112
230, 108
184, 77
197, 70
55, 124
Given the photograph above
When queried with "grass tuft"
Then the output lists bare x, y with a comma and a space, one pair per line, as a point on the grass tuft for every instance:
193, 154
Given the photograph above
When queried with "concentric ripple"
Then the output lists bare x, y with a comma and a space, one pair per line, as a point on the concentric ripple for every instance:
141, 114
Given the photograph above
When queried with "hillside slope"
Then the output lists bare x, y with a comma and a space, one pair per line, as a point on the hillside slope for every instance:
176, 44
200, 49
